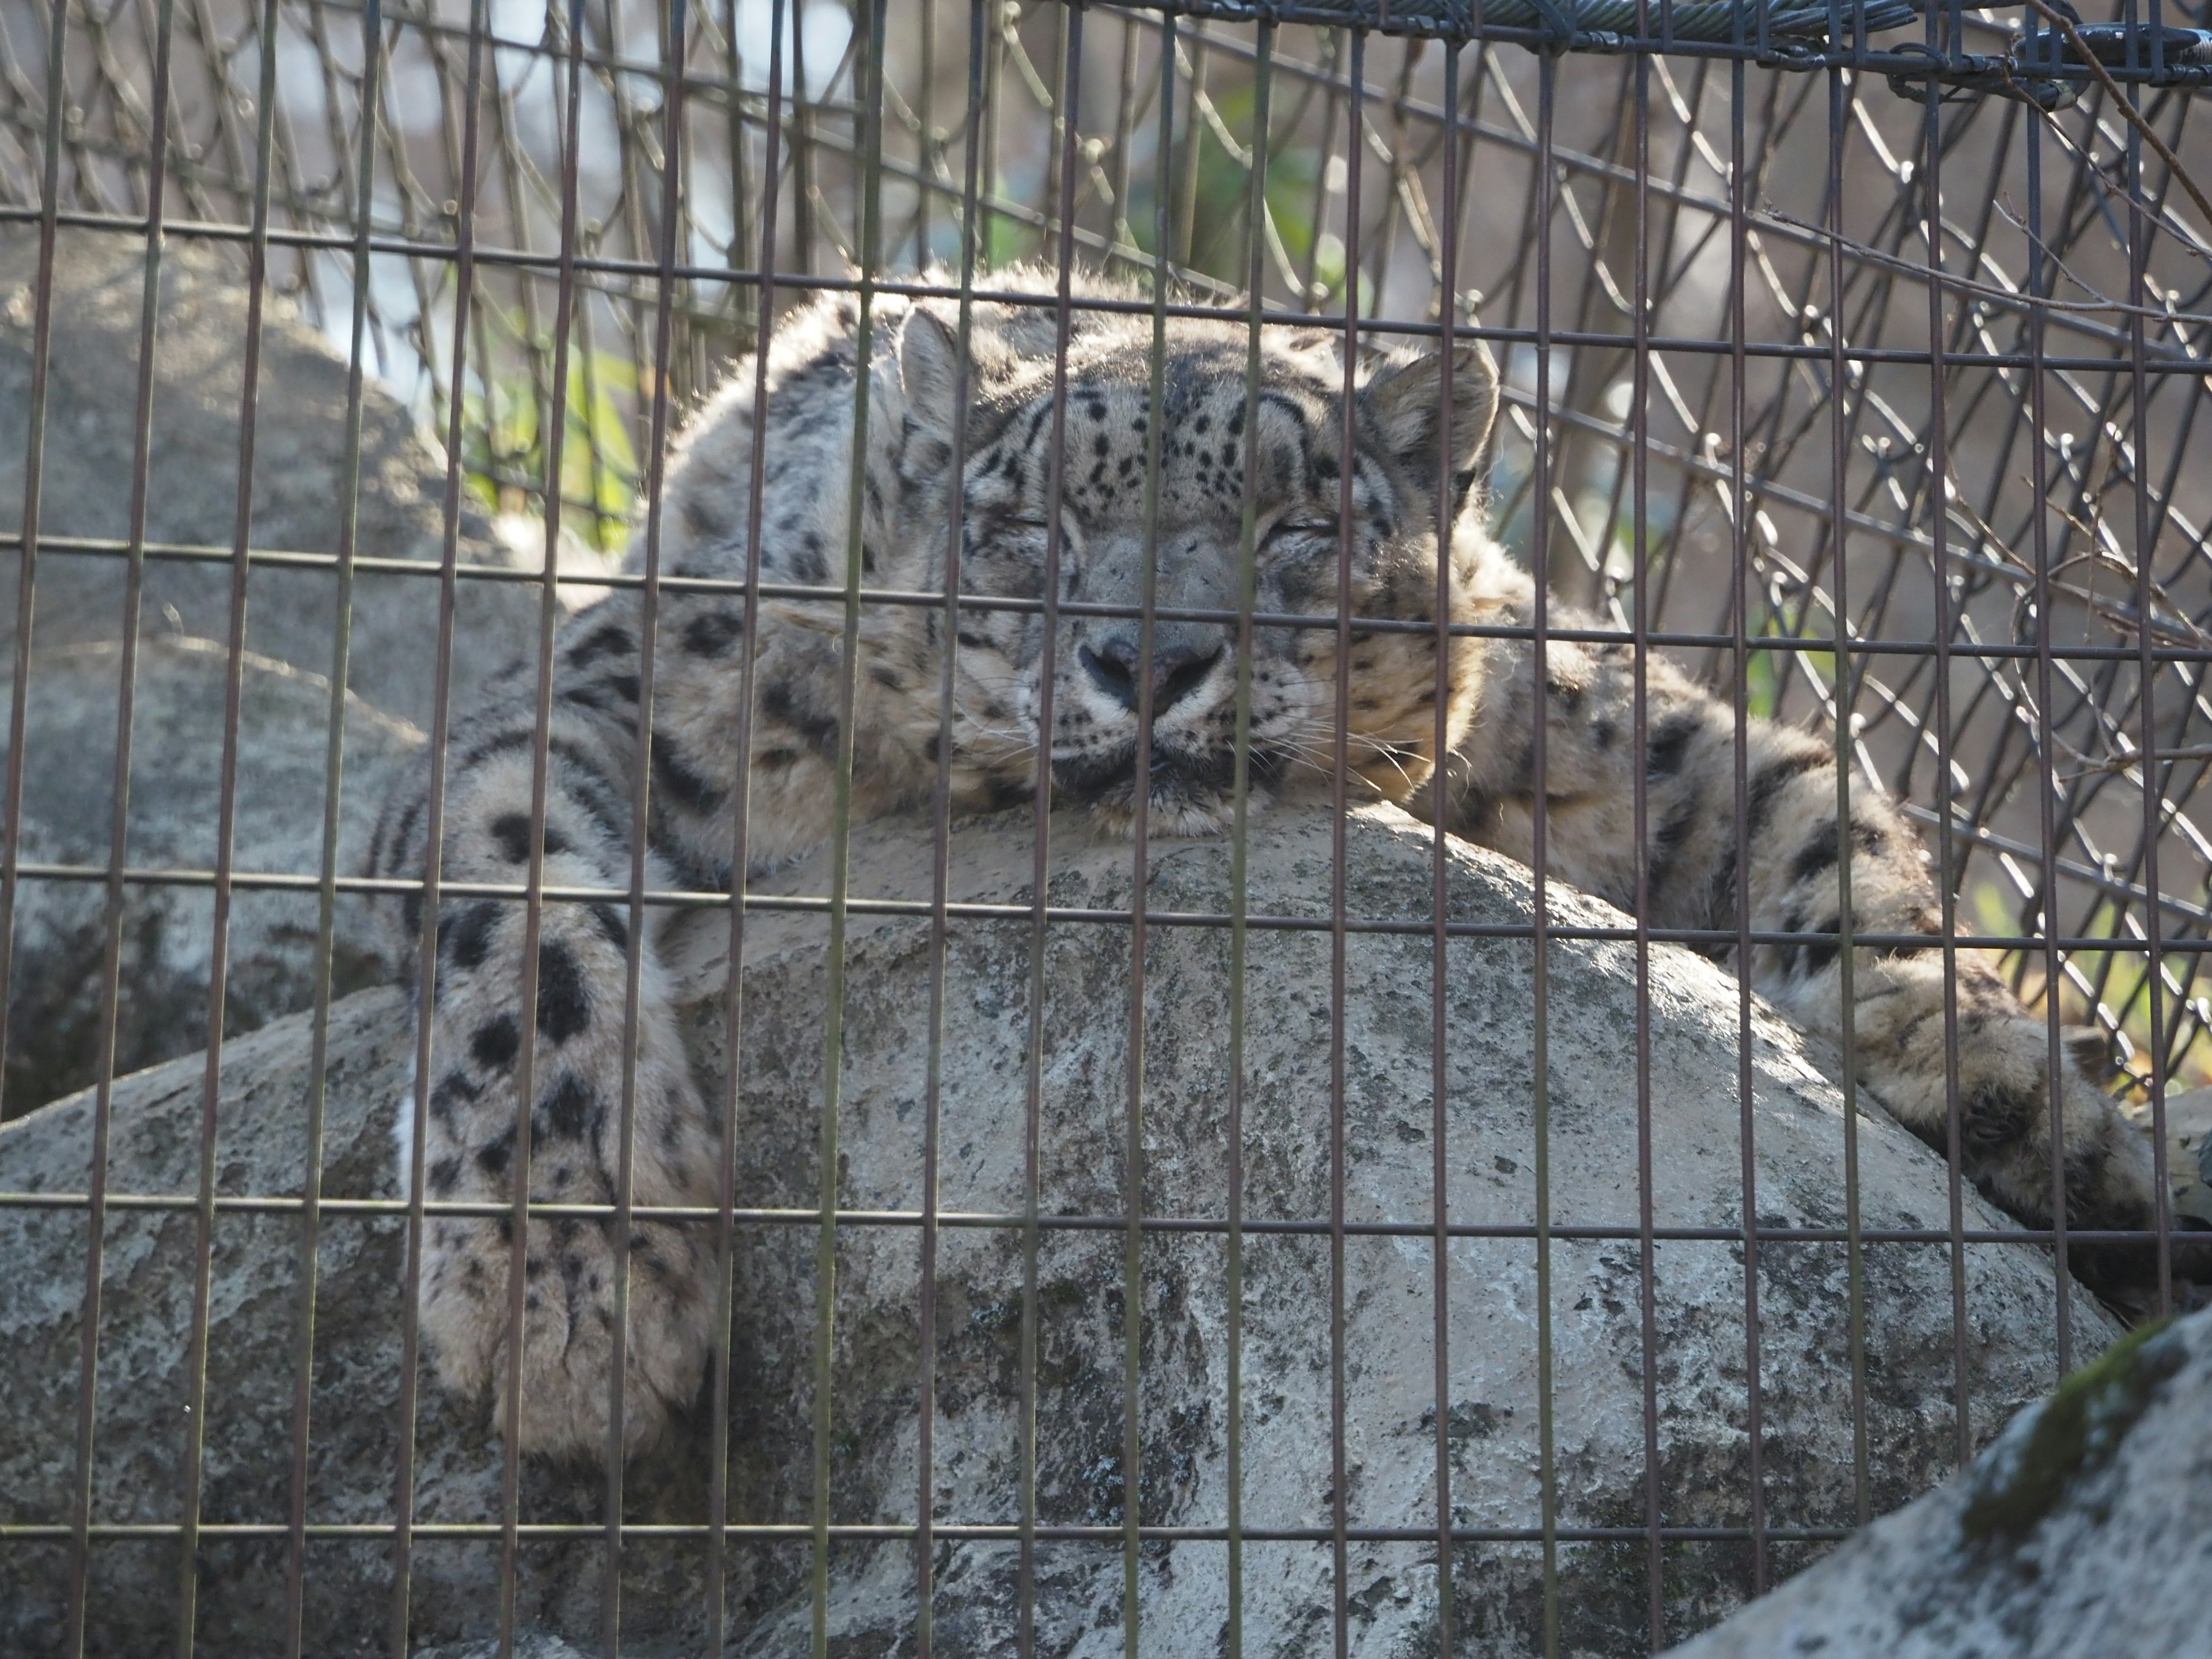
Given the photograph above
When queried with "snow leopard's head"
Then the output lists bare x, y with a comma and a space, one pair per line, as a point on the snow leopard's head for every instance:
1186, 524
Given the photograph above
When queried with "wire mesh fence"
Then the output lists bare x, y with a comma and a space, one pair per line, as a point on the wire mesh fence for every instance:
406, 166
1849, 358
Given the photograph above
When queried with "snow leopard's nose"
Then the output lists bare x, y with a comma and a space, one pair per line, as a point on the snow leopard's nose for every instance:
1182, 659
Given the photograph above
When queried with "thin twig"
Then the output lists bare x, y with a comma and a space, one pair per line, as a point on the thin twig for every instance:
1967, 284
2121, 102
2128, 762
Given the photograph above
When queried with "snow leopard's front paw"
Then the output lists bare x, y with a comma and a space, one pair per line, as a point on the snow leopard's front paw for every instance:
2108, 1179
2097, 1172
2125, 1273
568, 1322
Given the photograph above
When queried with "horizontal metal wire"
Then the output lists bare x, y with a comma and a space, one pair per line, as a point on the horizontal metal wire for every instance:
950, 1531
965, 910
815, 593
2158, 360
1260, 1226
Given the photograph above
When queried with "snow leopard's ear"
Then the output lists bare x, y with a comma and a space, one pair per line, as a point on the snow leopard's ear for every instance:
1404, 400
929, 359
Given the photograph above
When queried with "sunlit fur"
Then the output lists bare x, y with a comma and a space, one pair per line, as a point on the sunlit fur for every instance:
1059, 478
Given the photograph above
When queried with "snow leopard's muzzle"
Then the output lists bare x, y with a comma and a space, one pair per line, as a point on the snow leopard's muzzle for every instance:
1186, 681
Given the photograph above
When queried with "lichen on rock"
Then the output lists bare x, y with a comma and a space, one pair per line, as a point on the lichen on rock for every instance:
2085, 1532
2048, 1447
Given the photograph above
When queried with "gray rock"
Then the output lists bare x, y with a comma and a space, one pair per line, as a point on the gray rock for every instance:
193, 478
2085, 1532
56, 987
1491, 1416
291, 617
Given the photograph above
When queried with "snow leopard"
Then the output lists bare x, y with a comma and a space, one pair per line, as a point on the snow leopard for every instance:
1319, 457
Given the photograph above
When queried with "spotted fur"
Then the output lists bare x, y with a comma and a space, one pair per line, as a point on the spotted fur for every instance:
998, 396
1794, 883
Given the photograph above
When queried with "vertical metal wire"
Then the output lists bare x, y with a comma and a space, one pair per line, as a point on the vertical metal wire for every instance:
533, 912
142, 432
1070, 82
1339, 767
11, 849
2152, 791
926, 145
1446, 483
636, 165
685, 365
118, 831
833, 1049
1840, 93
671, 175
1539, 932
1193, 142
42, 299
505, 100
1740, 498
1639, 439
743, 198
802, 144
225, 849
1394, 199
1939, 527
1693, 120
2047, 925
941, 858
534, 863
426, 949
1239, 796
719, 1387
1057, 186
1132, 1241
994, 57
1125, 121
295, 1575
1311, 292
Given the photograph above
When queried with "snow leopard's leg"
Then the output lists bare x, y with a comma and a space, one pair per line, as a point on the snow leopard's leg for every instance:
577, 1081
1792, 881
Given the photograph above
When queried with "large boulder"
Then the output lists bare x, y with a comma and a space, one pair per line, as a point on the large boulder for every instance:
184, 611
2084, 1532
1491, 1418
57, 991
299, 474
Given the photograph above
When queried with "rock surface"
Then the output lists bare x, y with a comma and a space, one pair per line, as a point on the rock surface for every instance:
2084, 1532
193, 475
1491, 1416
291, 614
56, 991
